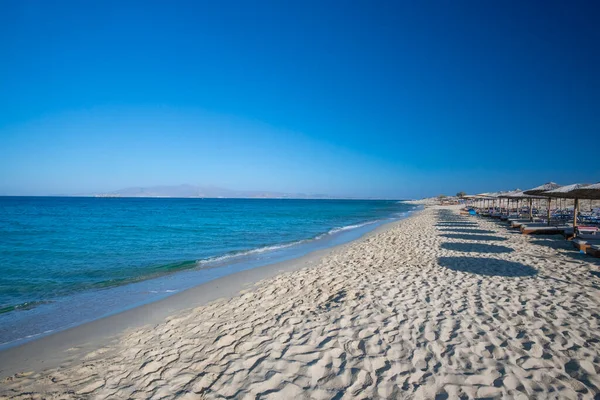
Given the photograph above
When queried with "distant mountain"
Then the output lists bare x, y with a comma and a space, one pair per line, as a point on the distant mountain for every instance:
187, 191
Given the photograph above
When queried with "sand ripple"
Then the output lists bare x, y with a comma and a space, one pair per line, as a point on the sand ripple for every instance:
416, 311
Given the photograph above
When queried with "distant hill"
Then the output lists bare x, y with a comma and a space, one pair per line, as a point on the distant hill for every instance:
189, 191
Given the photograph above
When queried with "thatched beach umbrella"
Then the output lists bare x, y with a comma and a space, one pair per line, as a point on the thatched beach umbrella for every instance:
469, 199
522, 196
543, 189
508, 197
479, 199
483, 197
494, 197
589, 192
569, 192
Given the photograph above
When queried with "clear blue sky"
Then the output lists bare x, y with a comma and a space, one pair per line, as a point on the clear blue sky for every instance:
362, 98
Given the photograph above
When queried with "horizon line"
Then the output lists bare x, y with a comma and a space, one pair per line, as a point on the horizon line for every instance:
207, 197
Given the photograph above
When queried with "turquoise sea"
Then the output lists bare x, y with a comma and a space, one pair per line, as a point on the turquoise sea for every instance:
109, 254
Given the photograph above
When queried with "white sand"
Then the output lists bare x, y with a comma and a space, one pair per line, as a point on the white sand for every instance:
415, 311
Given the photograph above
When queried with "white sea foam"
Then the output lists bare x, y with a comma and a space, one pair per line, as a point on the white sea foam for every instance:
163, 291
275, 247
248, 252
349, 227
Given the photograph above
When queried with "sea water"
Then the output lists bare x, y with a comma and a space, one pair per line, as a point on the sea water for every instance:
67, 260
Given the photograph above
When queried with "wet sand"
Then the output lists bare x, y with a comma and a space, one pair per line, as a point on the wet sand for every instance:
437, 305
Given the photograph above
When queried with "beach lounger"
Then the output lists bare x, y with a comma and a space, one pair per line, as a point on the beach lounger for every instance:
593, 250
582, 244
517, 223
585, 237
587, 230
509, 220
545, 229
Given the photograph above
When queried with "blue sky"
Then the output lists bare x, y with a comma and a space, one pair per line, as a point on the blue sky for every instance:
360, 98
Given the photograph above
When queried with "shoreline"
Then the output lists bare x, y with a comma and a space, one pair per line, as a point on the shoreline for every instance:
48, 317
438, 305
70, 344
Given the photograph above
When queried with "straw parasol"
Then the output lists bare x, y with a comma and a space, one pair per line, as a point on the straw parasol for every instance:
470, 198
520, 195
495, 196
508, 197
542, 189
589, 192
569, 192
483, 197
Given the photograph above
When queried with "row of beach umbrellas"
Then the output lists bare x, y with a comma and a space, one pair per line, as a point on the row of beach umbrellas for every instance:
548, 191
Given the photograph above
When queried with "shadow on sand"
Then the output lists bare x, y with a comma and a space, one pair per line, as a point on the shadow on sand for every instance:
465, 230
476, 248
554, 242
487, 266
452, 217
566, 248
456, 225
473, 237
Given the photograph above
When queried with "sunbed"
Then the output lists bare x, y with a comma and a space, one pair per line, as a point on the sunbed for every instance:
582, 244
586, 236
593, 250
528, 229
517, 223
587, 230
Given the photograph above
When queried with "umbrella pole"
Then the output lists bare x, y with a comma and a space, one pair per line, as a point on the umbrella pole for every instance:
549, 203
531, 210
575, 209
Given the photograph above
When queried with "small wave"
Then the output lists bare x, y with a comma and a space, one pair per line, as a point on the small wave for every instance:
27, 337
349, 227
23, 306
249, 252
163, 291
264, 249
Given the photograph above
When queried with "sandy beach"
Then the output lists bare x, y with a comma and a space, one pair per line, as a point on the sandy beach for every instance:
434, 306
